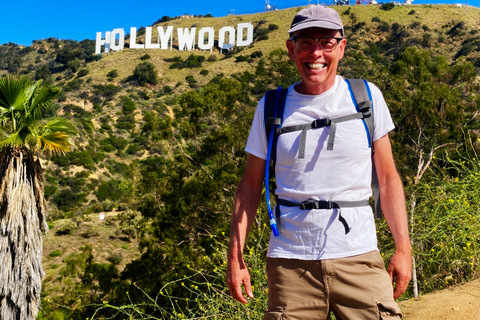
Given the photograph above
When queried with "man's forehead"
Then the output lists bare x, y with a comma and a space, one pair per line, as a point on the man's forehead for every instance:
317, 32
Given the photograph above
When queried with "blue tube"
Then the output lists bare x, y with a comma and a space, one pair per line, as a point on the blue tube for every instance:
271, 217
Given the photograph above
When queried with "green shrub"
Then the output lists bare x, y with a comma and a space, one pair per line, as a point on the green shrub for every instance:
145, 72
66, 228
133, 149
193, 61
387, 6
191, 81
49, 191
272, 27
145, 57
126, 122
67, 199
128, 106
82, 73
108, 190
112, 73
90, 232
107, 91
55, 253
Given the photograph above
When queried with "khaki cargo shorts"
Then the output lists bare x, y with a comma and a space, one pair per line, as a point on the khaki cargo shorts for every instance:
353, 288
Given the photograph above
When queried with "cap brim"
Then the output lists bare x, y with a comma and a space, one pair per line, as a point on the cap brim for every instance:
316, 24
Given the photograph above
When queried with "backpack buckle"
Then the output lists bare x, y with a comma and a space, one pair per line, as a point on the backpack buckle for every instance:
320, 123
273, 121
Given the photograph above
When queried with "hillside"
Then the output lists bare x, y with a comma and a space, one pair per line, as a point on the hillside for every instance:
161, 138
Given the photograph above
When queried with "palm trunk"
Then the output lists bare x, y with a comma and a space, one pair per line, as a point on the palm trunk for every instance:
22, 222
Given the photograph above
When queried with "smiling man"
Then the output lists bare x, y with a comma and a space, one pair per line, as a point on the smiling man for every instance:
326, 257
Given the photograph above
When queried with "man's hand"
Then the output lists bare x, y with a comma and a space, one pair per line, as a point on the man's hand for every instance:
400, 271
237, 275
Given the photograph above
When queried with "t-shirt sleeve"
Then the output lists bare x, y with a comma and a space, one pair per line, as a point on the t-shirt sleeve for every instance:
381, 115
257, 140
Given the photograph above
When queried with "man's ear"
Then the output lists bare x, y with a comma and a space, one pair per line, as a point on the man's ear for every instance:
291, 49
341, 48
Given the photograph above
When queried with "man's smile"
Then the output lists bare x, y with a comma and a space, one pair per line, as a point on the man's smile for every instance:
316, 66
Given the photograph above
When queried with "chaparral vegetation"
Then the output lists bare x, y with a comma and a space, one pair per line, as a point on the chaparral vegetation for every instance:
139, 209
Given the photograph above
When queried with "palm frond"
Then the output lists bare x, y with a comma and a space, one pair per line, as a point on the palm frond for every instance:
12, 140
61, 125
57, 142
12, 92
39, 99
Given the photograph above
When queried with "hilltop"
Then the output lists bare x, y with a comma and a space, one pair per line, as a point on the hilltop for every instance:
161, 138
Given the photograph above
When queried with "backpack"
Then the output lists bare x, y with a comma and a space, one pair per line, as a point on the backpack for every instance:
273, 117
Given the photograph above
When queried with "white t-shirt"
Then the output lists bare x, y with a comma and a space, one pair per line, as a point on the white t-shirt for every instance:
341, 174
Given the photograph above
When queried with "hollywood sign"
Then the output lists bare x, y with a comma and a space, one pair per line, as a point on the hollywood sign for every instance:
187, 38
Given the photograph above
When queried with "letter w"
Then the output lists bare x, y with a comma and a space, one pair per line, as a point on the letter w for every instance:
186, 38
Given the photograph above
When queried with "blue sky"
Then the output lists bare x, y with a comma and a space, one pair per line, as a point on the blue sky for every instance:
22, 21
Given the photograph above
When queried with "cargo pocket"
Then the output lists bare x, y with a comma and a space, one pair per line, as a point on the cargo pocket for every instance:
389, 310
273, 314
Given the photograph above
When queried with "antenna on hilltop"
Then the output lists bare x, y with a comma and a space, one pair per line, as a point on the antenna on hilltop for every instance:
269, 7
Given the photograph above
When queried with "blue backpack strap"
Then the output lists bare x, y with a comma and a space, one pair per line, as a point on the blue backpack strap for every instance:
273, 118
273, 115
362, 98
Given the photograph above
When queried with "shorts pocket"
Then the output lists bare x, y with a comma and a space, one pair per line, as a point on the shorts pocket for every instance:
389, 310
273, 314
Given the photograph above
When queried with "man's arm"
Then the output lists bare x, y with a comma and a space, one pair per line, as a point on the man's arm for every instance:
393, 207
247, 198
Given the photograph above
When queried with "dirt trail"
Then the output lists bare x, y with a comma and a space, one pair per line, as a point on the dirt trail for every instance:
461, 302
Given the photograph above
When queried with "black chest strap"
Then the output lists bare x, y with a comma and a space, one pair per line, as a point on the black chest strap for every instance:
320, 123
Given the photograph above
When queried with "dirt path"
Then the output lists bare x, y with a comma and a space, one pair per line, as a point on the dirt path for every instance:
461, 302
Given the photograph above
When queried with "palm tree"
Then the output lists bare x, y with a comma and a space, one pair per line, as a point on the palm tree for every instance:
23, 135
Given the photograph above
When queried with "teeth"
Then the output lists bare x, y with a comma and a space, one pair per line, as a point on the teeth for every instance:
317, 66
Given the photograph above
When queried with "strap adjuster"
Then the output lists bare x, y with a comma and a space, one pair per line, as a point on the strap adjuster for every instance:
320, 123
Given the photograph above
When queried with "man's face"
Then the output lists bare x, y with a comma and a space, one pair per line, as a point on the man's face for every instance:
317, 68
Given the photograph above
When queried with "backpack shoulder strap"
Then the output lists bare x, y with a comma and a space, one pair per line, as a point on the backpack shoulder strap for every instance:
273, 114
362, 98
273, 118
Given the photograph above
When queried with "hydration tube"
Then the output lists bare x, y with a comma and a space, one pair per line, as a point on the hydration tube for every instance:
271, 217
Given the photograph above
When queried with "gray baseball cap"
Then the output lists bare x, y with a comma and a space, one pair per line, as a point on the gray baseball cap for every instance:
316, 16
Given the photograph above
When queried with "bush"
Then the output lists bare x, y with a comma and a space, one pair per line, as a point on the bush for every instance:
108, 190
272, 27
191, 81
106, 90
66, 228
387, 6
82, 73
145, 72
145, 57
193, 61
126, 122
90, 232
128, 106
55, 253
112, 73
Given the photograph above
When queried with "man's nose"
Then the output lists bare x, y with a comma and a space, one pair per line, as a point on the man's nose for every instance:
316, 49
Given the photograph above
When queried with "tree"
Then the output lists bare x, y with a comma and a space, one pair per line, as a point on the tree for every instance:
22, 203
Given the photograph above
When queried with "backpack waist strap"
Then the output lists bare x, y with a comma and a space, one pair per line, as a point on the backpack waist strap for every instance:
321, 204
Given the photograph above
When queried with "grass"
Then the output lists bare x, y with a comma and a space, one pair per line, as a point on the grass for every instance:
57, 247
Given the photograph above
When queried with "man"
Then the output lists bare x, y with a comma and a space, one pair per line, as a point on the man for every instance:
317, 265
